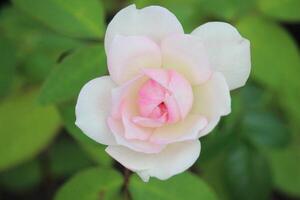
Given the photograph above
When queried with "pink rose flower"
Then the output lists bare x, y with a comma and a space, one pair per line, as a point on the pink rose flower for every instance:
166, 89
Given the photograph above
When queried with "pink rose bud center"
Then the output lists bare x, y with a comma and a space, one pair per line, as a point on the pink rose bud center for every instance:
162, 101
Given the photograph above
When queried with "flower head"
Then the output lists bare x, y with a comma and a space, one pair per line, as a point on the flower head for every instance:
166, 89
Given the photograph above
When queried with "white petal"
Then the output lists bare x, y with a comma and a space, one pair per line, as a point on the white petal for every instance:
154, 22
209, 127
187, 129
186, 54
93, 107
228, 51
136, 145
128, 55
212, 100
174, 159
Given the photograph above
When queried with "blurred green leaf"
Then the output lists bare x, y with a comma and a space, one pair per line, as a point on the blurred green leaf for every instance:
25, 128
247, 174
68, 77
224, 134
113, 6
76, 18
95, 150
252, 98
23, 177
287, 10
91, 184
275, 61
36, 48
285, 169
226, 9
66, 158
212, 172
8, 65
214, 143
265, 129
275, 57
182, 186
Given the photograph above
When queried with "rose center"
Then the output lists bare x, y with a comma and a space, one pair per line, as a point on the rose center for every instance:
166, 97
155, 102
158, 111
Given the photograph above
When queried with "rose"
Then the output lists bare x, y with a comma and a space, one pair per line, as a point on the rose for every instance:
165, 90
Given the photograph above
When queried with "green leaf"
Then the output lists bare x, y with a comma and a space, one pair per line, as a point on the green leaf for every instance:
214, 144
212, 172
91, 184
76, 18
243, 101
66, 158
286, 10
226, 9
36, 48
25, 128
23, 177
275, 56
95, 150
66, 79
275, 61
247, 174
265, 129
182, 186
254, 98
8, 64
285, 169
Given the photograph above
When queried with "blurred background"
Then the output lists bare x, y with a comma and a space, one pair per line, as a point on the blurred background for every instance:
50, 48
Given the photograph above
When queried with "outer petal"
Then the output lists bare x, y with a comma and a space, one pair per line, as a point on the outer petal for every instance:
154, 22
228, 51
93, 107
128, 55
187, 129
174, 159
186, 54
212, 100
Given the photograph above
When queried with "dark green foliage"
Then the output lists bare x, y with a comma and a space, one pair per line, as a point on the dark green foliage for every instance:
183, 186
91, 184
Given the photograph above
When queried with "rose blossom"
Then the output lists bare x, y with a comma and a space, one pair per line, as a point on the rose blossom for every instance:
165, 90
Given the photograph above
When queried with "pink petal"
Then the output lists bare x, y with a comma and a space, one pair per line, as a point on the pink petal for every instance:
148, 122
132, 130
179, 87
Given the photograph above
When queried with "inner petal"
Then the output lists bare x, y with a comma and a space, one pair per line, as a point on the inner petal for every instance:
179, 89
165, 98
151, 100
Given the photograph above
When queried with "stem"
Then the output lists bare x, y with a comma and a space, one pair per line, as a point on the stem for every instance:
127, 174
